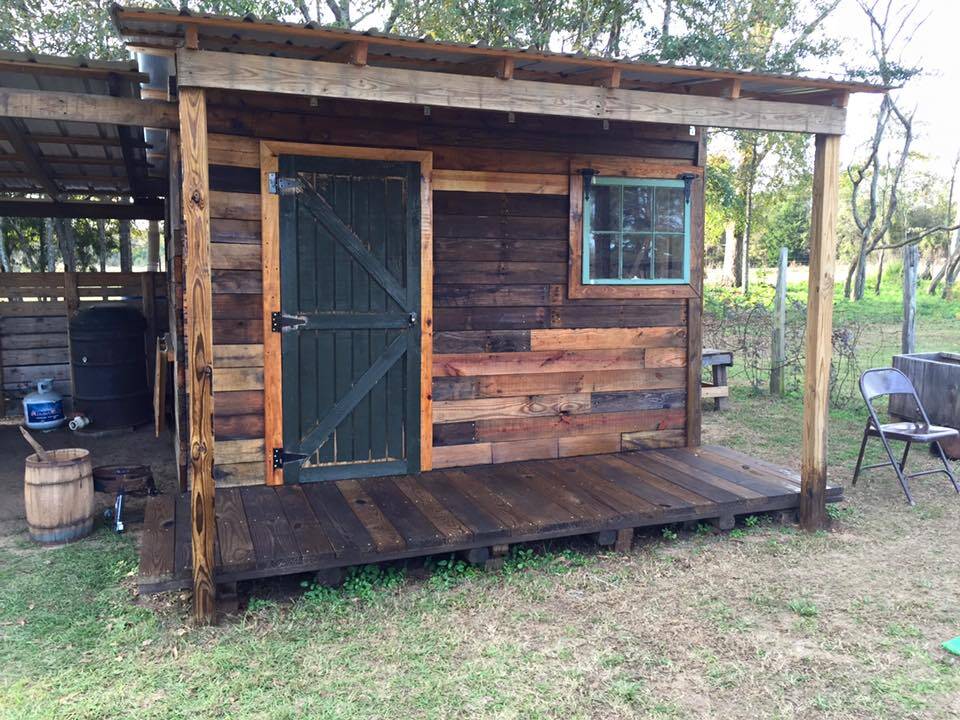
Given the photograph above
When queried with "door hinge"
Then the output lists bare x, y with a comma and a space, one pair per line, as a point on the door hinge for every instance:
280, 458
284, 323
280, 185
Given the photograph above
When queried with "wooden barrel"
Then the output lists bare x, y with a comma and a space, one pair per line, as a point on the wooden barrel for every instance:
59, 496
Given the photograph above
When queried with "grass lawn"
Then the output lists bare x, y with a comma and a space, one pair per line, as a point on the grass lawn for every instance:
760, 622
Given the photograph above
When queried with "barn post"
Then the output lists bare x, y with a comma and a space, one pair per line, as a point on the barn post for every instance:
198, 306
816, 391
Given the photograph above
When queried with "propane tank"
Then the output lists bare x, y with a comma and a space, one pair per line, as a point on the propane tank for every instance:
43, 408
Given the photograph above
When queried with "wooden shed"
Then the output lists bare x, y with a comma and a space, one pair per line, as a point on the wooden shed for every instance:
440, 297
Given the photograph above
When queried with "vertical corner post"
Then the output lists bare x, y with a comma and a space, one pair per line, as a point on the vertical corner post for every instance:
198, 300
816, 390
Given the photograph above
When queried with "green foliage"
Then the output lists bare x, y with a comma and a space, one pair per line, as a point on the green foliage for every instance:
804, 608
523, 559
450, 572
669, 534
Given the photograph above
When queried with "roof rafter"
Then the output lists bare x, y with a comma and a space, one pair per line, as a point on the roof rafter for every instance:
28, 155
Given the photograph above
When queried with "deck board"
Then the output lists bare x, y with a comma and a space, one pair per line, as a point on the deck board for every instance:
267, 531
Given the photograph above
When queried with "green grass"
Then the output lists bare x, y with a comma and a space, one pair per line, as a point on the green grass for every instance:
845, 624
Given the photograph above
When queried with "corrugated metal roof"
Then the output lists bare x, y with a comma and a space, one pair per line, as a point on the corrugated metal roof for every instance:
166, 28
63, 157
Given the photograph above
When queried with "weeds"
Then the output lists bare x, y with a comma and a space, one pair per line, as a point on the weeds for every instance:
804, 608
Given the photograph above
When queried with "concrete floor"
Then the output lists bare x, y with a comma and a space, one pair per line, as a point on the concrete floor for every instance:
139, 447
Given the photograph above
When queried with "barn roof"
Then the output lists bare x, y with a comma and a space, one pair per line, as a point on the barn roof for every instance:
166, 29
58, 157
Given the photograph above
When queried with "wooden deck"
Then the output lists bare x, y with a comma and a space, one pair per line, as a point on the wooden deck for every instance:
267, 531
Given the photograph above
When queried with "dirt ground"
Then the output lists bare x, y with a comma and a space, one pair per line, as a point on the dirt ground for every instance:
140, 447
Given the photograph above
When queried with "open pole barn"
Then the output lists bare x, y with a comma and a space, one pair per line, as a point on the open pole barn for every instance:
440, 297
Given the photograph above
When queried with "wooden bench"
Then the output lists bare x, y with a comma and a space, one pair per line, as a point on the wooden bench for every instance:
718, 361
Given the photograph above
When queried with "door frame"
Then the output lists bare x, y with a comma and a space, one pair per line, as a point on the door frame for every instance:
270, 152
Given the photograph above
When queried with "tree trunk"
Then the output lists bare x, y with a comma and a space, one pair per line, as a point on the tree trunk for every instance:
126, 252
68, 243
860, 277
876, 288
48, 258
102, 244
745, 252
729, 274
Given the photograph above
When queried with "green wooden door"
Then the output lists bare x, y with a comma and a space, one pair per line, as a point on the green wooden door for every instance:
350, 297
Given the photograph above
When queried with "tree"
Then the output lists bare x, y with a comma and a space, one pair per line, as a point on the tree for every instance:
874, 208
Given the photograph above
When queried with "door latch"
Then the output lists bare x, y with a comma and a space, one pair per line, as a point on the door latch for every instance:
412, 319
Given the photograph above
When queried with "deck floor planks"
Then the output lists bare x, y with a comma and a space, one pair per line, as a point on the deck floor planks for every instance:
701, 485
156, 560
571, 497
415, 528
671, 499
343, 529
384, 534
266, 531
482, 525
183, 553
444, 520
468, 481
748, 468
745, 461
273, 539
758, 486
523, 496
311, 539
236, 545
608, 493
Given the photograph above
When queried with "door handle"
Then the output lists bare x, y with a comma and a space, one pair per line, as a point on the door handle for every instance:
412, 319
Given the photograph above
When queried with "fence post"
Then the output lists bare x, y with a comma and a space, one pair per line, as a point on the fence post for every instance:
908, 335
778, 344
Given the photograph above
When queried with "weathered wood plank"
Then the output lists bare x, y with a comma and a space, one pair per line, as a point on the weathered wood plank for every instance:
306, 77
198, 301
816, 392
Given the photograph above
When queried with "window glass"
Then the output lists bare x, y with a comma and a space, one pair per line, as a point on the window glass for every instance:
606, 208
636, 232
637, 211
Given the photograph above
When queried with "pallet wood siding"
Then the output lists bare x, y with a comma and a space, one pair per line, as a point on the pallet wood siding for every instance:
33, 323
521, 371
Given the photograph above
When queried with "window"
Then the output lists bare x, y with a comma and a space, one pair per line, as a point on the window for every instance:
636, 231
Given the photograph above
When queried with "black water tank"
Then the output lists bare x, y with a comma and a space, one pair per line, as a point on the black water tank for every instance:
109, 360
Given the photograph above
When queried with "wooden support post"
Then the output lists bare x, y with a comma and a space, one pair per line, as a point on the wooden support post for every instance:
153, 246
816, 391
624, 540
71, 303
198, 302
147, 301
908, 334
778, 343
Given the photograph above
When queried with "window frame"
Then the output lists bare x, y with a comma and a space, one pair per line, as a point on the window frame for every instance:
631, 168
587, 231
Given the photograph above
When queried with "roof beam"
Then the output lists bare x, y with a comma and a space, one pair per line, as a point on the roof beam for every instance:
304, 77
39, 67
140, 210
26, 154
86, 107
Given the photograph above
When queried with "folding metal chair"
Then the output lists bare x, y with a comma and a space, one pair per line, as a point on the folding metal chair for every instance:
889, 381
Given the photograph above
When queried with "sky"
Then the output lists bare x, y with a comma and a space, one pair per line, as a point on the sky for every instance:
934, 95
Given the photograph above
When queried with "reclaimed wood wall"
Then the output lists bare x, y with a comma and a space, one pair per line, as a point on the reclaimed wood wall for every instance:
521, 371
